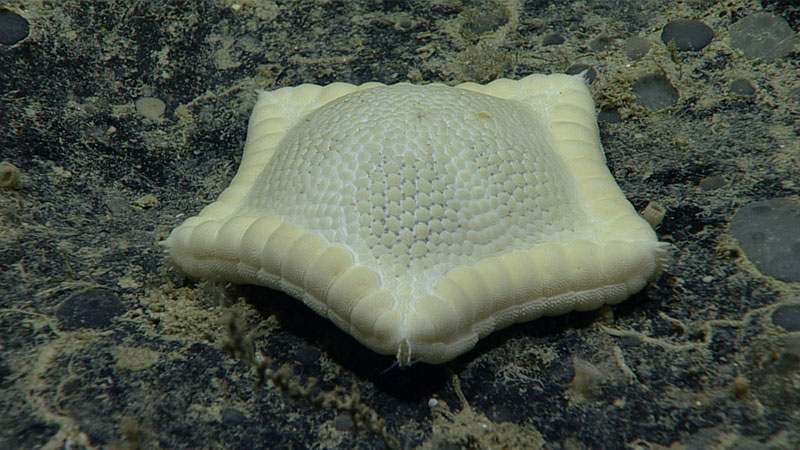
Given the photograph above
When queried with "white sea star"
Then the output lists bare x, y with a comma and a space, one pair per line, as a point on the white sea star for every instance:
422, 218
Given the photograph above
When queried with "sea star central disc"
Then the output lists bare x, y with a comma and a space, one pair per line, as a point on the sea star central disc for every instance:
421, 218
416, 181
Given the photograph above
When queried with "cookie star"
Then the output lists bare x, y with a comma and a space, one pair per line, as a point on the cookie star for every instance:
421, 218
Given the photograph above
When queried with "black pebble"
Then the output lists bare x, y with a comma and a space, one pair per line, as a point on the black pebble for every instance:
609, 115
232, 416
343, 422
787, 317
552, 39
689, 35
90, 309
742, 87
712, 183
13, 27
307, 355
767, 233
575, 69
656, 92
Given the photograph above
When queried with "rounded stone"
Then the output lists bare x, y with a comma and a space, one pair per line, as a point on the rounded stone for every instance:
688, 34
762, 36
787, 317
575, 69
13, 27
767, 233
609, 115
307, 355
232, 416
742, 87
89, 309
656, 92
636, 47
712, 183
343, 422
150, 107
552, 39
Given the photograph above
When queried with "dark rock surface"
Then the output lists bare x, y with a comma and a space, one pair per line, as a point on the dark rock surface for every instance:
694, 359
